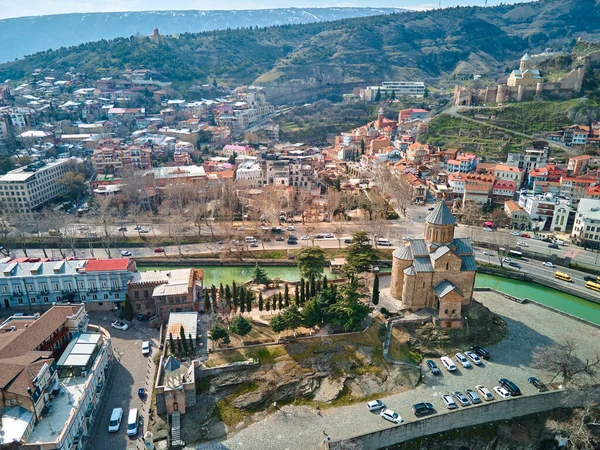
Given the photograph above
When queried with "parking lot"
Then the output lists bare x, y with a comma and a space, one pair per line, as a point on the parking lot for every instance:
133, 371
529, 326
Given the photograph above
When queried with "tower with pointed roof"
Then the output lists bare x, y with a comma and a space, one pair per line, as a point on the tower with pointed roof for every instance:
525, 63
435, 272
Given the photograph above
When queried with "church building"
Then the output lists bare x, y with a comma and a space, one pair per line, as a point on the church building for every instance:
437, 272
525, 75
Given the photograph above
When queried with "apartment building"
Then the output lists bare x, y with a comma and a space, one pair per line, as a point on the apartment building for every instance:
101, 284
529, 159
509, 173
546, 212
586, 229
249, 174
111, 160
578, 165
575, 188
464, 163
24, 189
399, 88
53, 370
302, 175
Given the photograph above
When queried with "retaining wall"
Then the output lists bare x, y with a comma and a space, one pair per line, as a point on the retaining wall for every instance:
474, 415
218, 370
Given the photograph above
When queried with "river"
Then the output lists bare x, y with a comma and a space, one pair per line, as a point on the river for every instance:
556, 299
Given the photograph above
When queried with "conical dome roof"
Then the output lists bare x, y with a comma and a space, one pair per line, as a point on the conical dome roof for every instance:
441, 215
526, 57
403, 253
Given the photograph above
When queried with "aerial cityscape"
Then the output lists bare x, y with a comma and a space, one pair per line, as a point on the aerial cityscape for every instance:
302, 228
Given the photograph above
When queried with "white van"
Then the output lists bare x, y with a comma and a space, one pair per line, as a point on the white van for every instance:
132, 422
250, 239
115, 420
384, 242
448, 364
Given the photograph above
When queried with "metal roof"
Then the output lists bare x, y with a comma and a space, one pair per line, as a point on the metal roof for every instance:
463, 246
423, 264
187, 320
403, 253
410, 270
468, 264
439, 252
441, 215
418, 247
444, 287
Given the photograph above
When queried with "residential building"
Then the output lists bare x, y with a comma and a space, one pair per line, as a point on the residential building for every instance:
415, 186
100, 284
574, 187
464, 163
399, 88
278, 172
519, 219
249, 174
586, 229
417, 152
541, 210
578, 165
529, 159
160, 292
24, 189
509, 173
503, 191
548, 173
302, 175
53, 370
408, 115
593, 192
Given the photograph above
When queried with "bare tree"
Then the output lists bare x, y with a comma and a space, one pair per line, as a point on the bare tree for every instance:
562, 360
581, 428
106, 223
176, 229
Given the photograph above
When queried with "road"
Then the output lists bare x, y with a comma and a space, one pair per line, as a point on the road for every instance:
529, 326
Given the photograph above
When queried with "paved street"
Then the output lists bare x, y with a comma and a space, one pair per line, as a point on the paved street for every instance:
299, 428
134, 370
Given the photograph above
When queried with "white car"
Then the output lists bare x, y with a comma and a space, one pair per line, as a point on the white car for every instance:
448, 364
515, 233
390, 415
502, 392
485, 393
146, 348
488, 229
522, 244
461, 359
291, 228
125, 253
507, 260
547, 264
375, 405
473, 357
449, 401
119, 325
488, 253
305, 238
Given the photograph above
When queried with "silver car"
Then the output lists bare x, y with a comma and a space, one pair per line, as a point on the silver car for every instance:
449, 401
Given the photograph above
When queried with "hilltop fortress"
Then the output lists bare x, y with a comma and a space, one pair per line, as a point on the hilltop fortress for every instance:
524, 83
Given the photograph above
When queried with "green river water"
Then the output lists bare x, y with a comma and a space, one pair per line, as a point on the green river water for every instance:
556, 299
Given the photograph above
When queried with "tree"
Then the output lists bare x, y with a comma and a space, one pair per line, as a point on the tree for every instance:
286, 295
314, 311
562, 360
268, 304
191, 343
580, 427
183, 340
249, 298
348, 311
218, 333
274, 302
324, 282
297, 295
227, 295
280, 301
378, 95
313, 287
240, 326
278, 324
260, 302
206, 302
302, 291
375, 296
260, 276
292, 318
311, 262
360, 255
213, 295
127, 309
393, 96
171, 343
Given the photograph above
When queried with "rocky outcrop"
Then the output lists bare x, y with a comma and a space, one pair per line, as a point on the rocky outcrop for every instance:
329, 390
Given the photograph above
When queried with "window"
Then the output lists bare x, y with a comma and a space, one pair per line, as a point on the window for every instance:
447, 265
117, 295
445, 311
58, 298
136, 294
104, 284
20, 301
82, 297
55, 286
100, 303
94, 297
81, 285
46, 299
4, 289
105, 296
453, 311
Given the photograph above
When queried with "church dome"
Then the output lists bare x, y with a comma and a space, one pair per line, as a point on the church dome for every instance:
403, 253
441, 215
526, 57
410, 271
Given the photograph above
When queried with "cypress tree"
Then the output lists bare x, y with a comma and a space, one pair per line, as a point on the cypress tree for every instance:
297, 295
242, 304
180, 348
260, 301
268, 304
286, 295
191, 343
280, 301
302, 292
325, 282
375, 298
234, 289
274, 302
183, 339
228, 296
319, 287
249, 298
313, 287
171, 343
221, 294
206, 303
213, 294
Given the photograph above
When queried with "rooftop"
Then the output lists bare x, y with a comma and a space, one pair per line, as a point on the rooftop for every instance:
21, 174
441, 215
187, 320
589, 208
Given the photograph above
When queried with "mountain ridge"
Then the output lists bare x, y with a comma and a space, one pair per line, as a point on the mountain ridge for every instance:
32, 34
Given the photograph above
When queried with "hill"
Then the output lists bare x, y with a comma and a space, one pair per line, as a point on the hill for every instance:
29, 35
299, 62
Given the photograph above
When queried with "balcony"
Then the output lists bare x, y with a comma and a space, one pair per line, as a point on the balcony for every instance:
68, 291
93, 289
17, 294
115, 289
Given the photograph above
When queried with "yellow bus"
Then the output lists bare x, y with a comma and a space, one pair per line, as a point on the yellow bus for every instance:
562, 276
593, 286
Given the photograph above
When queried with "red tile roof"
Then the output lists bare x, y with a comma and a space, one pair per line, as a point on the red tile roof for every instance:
103, 265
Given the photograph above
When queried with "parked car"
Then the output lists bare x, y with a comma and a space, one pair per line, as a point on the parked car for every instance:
122, 228
220, 242
254, 244
481, 352
119, 325
280, 238
146, 348
553, 246
390, 415
448, 364
488, 253
348, 241
125, 253
291, 228
522, 244
423, 409
525, 235
159, 250
537, 238
507, 260
514, 264
115, 420
433, 368
472, 395
462, 398
484, 392
305, 238
547, 264
136, 228
546, 239
375, 405
473, 357
449, 401
329, 236
503, 393
241, 228
461, 359
488, 229
540, 386
143, 230
320, 236
430, 209
511, 387
292, 241
515, 233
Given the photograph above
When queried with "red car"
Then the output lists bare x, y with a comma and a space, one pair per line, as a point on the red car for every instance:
159, 250
525, 235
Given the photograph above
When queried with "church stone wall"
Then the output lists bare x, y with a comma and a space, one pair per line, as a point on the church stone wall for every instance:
397, 280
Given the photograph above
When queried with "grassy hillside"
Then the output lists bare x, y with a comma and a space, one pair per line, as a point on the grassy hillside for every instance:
455, 132
535, 117
304, 59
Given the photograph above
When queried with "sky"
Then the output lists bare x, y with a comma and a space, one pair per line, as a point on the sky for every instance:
14, 8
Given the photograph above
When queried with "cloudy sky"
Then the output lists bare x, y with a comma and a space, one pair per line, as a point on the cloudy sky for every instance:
14, 8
